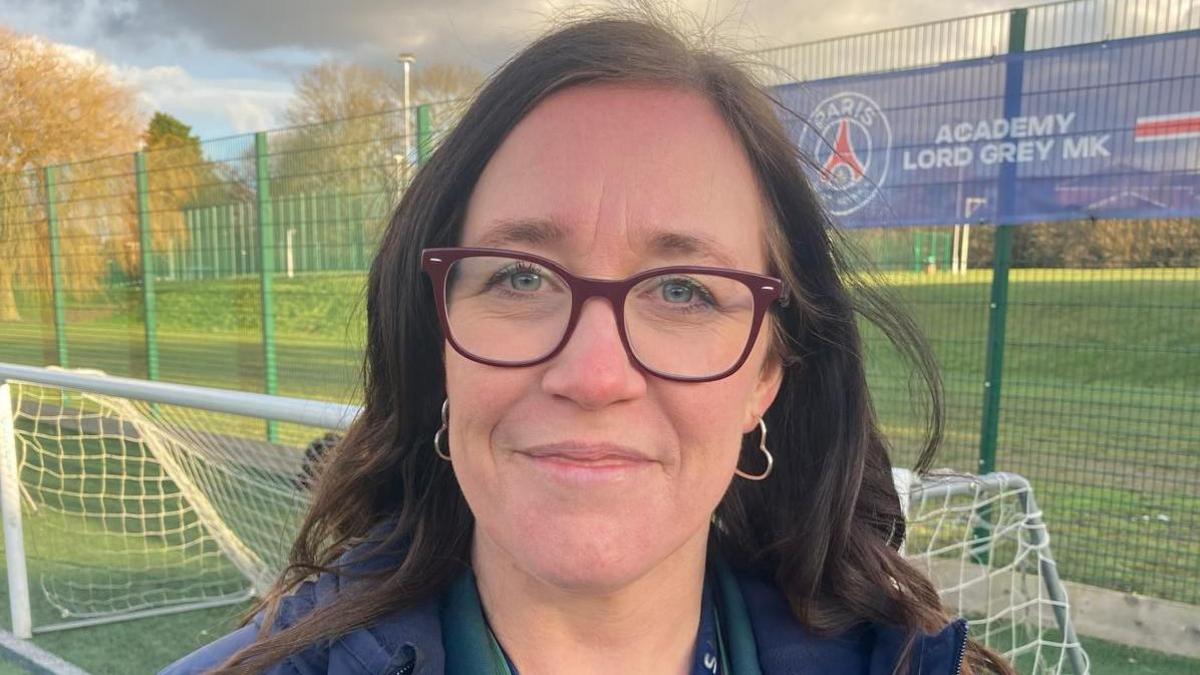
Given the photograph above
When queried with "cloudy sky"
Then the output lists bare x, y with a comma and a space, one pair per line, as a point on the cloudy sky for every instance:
227, 66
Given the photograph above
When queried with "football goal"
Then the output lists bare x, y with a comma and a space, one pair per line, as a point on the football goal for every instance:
983, 541
124, 498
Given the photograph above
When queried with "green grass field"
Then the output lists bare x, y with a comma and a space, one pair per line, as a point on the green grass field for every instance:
112, 533
1100, 407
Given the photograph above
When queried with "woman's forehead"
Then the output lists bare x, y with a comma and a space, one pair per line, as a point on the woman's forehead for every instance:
654, 171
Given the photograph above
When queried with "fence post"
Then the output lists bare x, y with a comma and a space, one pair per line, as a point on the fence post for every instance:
266, 250
299, 202
1002, 255
56, 279
14, 534
1001, 261
209, 245
339, 249
424, 132
359, 220
149, 304
224, 241
189, 255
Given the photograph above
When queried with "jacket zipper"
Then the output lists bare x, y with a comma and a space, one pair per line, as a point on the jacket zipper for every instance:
962, 647
405, 667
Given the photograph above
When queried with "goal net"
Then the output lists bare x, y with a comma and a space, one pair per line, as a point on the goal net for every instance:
132, 508
983, 542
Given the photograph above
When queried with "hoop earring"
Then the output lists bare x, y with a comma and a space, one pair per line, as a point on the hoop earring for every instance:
762, 447
437, 437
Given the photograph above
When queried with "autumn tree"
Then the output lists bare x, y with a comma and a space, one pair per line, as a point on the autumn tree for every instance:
59, 105
1154, 242
177, 174
165, 132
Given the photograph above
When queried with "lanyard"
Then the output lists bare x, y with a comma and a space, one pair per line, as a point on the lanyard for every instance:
498, 655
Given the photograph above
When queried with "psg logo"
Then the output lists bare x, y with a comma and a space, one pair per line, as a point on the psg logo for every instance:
851, 147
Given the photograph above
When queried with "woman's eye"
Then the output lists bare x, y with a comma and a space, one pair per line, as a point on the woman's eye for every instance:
525, 281
674, 291
517, 278
685, 294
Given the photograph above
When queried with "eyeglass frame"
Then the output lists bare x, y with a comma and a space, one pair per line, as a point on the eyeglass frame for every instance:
436, 263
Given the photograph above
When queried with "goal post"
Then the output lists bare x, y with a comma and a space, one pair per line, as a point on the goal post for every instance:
10, 506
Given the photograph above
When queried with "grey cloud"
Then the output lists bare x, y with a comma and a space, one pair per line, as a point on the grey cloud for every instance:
475, 32
365, 30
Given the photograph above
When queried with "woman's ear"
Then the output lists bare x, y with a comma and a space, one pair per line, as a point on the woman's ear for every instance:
770, 377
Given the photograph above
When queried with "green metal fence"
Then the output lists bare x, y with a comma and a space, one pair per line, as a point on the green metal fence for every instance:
1078, 370
1100, 405
211, 264
241, 263
1055, 24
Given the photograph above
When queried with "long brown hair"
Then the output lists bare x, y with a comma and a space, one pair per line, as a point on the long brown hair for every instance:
827, 524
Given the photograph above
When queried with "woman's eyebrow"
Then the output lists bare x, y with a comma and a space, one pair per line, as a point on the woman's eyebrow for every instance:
531, 231
540, 232
679, 244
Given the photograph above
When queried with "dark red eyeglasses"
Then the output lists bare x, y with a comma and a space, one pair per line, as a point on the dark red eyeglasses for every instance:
513, 309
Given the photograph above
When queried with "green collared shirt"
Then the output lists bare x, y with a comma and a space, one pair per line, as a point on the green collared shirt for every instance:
472, 649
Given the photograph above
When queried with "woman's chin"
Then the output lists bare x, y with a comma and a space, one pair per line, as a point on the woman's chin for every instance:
580, 560
590, 540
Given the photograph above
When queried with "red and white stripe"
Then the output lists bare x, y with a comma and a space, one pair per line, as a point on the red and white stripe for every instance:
1167, 127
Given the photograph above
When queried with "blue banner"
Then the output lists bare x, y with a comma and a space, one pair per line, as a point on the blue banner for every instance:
1107, 130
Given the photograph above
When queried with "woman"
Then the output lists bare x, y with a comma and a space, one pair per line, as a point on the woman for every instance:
607, 285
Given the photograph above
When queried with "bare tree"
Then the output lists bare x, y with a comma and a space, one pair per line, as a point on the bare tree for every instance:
349, 136
335, 91
346, 133
444, 82
59, 106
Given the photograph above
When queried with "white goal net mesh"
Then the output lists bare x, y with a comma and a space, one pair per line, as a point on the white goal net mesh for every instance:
983, 542
129, 506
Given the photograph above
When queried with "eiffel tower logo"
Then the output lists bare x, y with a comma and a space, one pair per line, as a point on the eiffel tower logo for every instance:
856, 130
844, 159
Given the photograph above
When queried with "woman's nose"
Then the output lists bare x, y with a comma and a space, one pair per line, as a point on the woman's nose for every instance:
593, 369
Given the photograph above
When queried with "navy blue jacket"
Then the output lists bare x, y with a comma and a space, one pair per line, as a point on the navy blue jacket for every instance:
410, 642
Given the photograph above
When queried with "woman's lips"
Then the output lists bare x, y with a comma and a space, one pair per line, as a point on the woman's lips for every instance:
586, 462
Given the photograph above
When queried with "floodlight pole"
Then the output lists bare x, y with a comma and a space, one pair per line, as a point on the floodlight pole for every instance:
407, 59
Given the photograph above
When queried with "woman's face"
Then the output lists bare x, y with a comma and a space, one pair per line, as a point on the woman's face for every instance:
585, 472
